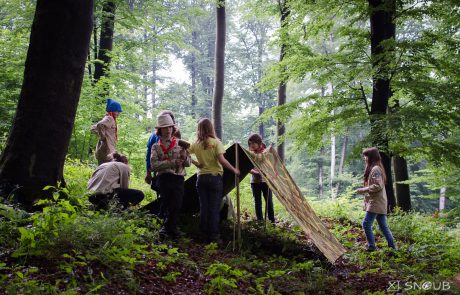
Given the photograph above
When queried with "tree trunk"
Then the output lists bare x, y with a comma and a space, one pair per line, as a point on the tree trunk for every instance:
442, 199
193, 74
280, 128
382, 28
320, 173
208, 81
219, 68
36, 148
332, 176
260, 97
153, 102
261, 125
101, 67
343, 154
402, 190
403, 199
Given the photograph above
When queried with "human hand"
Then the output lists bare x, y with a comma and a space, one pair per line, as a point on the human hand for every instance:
148, 178
197, 164
184, 144
269, 149
361, 190
179, 162
236, 171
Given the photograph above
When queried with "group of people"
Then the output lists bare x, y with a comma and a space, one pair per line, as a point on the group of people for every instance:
167, 157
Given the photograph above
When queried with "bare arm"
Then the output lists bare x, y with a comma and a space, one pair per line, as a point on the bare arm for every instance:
227, 165
197, 164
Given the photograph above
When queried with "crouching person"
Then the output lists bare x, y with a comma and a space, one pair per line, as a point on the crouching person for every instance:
111, 181
168, 160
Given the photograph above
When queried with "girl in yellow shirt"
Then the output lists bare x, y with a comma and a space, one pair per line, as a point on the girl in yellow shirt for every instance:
209, 151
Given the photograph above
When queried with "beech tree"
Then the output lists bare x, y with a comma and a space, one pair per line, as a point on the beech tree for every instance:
280, 128
220, 68
37, 144
102, 65
374, 68
382, 13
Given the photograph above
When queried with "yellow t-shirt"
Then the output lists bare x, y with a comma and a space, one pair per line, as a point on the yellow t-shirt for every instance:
208, 157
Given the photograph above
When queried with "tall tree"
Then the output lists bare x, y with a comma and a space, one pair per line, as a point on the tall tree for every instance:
102, 64
382, 13
193, 73
401, 172
280, 128
320, 174
402, 190
219, 68
37, 145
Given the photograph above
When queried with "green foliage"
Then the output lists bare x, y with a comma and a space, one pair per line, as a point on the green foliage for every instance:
75, 174
328, 48
329, 74
224, 278
171, 276
92, 250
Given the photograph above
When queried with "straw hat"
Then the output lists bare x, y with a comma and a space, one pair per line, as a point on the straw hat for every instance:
164, 121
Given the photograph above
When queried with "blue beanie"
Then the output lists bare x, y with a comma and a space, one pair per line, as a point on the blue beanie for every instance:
113, 106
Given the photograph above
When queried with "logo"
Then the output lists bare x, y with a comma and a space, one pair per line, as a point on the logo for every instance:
396, 286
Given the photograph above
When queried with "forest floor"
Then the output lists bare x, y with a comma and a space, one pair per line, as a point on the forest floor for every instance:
272, 259
343, 277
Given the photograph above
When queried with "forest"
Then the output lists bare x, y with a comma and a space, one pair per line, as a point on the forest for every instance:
319, 81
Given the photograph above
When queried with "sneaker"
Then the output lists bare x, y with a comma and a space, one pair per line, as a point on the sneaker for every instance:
371, 249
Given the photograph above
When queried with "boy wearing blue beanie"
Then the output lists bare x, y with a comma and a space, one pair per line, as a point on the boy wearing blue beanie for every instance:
107, 132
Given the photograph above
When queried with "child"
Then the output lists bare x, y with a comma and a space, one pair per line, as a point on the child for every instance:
258, 185
107, 131
210, 154
152, 140
111, 180
168, 159
375, 198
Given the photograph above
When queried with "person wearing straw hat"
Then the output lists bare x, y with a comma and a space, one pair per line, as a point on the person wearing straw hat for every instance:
168, 159
151, 141
107, 132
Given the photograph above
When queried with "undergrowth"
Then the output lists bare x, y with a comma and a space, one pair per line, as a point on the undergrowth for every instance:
69, 248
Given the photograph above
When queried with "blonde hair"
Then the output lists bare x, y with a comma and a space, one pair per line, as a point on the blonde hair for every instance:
204, 130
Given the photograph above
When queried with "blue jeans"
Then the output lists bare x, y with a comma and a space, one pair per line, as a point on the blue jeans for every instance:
210, 192
382, 221
257, 190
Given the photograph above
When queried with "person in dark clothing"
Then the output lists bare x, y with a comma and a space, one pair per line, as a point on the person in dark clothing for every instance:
169, 160
259, 186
